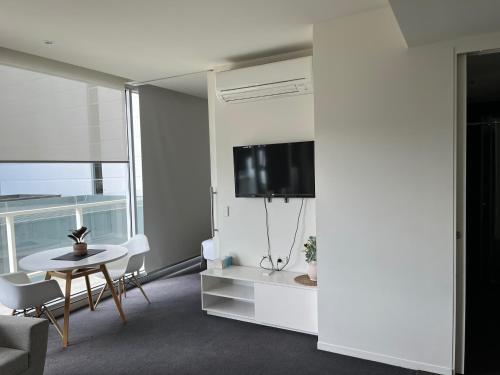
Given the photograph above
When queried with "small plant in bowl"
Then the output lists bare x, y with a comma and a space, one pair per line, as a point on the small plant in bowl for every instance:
77, 235
310, 251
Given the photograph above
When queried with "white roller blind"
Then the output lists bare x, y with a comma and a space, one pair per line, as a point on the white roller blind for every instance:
49, 118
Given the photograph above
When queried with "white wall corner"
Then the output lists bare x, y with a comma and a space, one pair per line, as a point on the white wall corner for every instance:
211, 97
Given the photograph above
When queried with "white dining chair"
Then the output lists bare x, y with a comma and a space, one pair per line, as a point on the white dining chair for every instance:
19, 293
125, 271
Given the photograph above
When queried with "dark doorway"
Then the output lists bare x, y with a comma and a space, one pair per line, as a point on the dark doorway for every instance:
482, 317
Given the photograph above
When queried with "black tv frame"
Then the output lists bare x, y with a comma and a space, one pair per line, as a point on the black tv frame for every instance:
269, 196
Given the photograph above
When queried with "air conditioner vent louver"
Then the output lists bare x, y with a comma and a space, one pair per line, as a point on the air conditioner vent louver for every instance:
284, 78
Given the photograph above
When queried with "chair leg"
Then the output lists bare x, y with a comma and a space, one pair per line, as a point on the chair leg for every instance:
53, 320
124, 287
120, 289
13, 312
138, 284
100, 295
89, 293
118, 305
38, 311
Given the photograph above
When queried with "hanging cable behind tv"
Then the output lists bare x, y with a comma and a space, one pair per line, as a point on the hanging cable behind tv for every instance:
279, 264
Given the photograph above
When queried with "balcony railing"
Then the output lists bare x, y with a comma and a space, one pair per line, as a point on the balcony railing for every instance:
43, 224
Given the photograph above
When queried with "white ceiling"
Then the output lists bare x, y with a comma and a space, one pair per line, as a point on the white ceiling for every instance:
149, 39
426, 21
191, 84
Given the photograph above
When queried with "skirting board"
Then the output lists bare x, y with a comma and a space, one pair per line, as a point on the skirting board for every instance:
249, 320
376, 357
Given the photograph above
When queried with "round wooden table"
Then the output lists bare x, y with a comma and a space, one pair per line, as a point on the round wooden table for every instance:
72, 269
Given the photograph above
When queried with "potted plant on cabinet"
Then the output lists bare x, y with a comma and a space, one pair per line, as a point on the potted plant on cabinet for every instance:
310, 251
77, 235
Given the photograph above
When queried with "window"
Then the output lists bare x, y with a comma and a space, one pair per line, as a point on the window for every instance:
64, 162
4, 255
136, 166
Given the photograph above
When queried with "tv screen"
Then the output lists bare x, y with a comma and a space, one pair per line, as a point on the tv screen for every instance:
274, 170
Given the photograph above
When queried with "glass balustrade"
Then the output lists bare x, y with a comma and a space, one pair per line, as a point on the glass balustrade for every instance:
108, 223
43, 224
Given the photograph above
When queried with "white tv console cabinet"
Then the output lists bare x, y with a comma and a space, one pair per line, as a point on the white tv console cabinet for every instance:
244, 293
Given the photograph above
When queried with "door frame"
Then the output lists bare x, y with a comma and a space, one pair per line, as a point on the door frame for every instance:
460, 210
460, 172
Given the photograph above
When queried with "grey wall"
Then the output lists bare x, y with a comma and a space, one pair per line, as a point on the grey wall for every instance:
176, 174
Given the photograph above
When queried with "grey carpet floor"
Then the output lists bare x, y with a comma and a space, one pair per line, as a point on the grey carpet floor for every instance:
173, 336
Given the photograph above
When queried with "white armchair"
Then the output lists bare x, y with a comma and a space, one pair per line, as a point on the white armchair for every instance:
129, 266
19, 293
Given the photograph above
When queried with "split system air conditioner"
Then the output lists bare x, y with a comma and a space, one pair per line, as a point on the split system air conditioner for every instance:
274, 80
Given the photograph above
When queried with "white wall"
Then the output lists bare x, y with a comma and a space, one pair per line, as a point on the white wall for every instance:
385, 193
243, 233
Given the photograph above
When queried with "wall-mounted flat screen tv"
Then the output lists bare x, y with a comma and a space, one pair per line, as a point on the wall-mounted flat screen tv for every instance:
274, 170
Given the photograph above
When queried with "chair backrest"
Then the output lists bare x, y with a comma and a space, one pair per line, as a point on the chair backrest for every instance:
137, 247
9, 289
138, 244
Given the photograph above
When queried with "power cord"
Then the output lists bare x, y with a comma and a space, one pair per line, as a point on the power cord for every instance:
269, 256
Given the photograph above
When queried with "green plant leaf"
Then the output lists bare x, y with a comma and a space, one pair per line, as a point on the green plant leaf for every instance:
73, 238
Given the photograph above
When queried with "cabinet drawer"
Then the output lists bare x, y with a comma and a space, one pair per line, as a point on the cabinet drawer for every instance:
287, 307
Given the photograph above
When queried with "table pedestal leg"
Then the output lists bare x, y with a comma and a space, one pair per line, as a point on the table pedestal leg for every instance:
104, 271
67, 301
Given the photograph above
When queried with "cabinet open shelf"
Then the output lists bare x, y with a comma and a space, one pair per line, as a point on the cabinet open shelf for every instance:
234, 291
233, 307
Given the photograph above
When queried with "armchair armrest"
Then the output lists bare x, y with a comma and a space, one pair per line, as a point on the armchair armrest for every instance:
28, 334
20, 333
